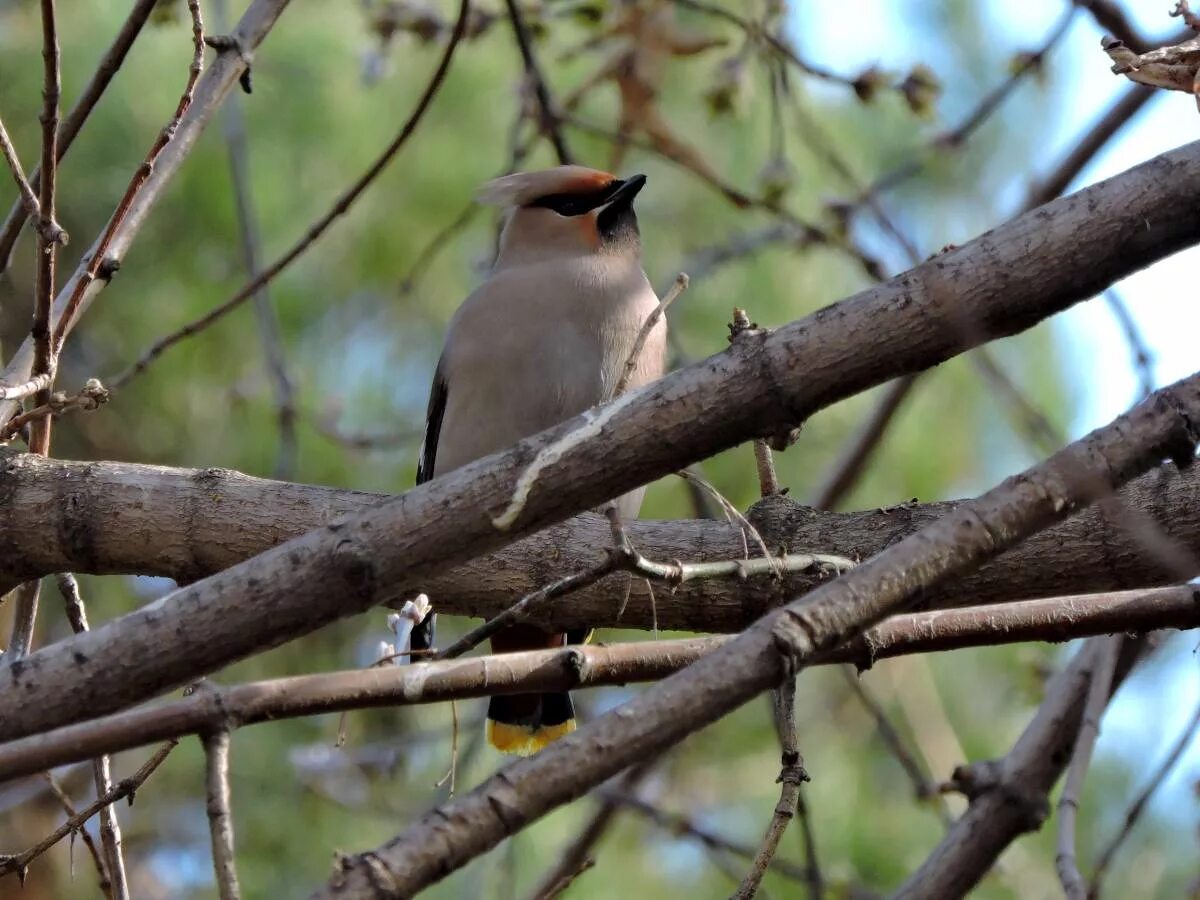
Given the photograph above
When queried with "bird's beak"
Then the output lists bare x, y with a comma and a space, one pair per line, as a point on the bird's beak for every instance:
624, 191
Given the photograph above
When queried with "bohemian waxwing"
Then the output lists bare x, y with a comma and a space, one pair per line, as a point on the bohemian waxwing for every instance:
545, 337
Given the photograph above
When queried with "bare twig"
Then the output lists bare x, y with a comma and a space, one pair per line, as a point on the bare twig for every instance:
24, 620
435, 245
816, 881
1142, 359
548, 118
126, 787
1139, 804
1092, 142
791, 776
983, 110
92, 396
28, 198
1089, 729
25, 389
681, 825
326, 425
107, 68
110, 828
624, 558
220, 820
318, 228
1049, 619
851, 461
577, 853
754, 31
49, 236
268, 322
99, 265
86, 836
924, 787
257, 22
677, 287
560, 886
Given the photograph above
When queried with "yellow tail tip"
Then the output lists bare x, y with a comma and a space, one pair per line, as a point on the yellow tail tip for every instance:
521, 741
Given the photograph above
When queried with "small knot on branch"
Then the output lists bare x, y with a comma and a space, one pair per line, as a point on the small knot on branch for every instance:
52, 233
794, 774
231, 43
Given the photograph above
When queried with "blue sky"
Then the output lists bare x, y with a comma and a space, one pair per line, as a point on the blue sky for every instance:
1155, 706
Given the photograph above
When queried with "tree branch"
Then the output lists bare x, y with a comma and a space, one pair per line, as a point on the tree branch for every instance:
19, 862
340, 207
56, 515
1048, 619
220, 820
210, 91
783, 641
109, 64
764, 384
1009, 797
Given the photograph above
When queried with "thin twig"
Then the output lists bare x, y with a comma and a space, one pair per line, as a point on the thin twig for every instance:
25, 389
99, 265
24, 620
924, 787
547, 112
956, 137
681, 825
264, 311
677, 287
220, 819
49, 236
1143, 361
28, 198
107, 68
578, 852
624, 558
318, 228
110, 828
84, 835
1089, 729
754, 31
791, 776
851, 461
1139, 804
126, 787
436, 243
560, 886
90, 397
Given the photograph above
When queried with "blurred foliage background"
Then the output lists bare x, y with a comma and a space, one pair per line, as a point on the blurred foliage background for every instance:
361, 333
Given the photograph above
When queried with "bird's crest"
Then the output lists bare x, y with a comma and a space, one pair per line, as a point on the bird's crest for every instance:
522, 188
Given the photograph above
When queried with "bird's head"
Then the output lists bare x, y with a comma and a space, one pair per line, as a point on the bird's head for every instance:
565, 211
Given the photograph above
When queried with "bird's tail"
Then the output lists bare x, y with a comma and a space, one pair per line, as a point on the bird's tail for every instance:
522, 724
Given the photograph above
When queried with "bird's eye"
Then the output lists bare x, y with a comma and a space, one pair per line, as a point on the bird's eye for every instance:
570, 204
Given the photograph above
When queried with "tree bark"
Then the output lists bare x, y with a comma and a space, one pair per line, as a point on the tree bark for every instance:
185, 524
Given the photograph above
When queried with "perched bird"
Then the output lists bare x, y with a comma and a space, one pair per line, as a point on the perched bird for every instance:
546, 336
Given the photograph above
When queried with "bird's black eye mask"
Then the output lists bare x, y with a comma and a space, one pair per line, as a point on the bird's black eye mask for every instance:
576, 204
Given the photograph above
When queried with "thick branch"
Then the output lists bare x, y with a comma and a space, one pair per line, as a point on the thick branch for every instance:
451, 835
1048, 619
1009, 796
187, 524
763, 384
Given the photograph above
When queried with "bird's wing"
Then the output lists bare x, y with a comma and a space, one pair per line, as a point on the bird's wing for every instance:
433, 426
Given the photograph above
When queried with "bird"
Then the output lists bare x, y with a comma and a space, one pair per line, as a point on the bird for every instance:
546, 336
